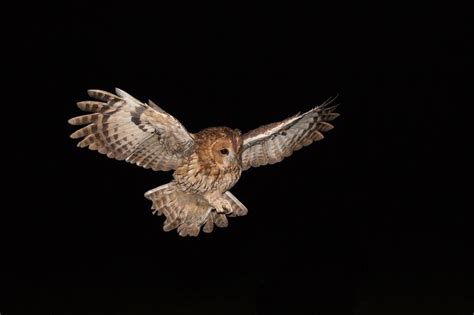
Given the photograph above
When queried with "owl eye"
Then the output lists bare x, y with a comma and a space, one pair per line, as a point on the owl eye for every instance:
224, 151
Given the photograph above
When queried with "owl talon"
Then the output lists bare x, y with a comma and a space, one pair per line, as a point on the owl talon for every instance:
222, 206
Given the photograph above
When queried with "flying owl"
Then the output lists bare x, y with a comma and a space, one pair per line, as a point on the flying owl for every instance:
206, 164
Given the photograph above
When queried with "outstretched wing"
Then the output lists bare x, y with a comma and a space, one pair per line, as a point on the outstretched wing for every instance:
271, 143
126, 129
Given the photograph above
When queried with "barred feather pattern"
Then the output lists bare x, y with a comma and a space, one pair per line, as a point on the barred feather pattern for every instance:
188, 212
124, 128
197, 177
270, 144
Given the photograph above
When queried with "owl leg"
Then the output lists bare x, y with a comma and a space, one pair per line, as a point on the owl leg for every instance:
226, 204
186, 212
219, 203
223, 206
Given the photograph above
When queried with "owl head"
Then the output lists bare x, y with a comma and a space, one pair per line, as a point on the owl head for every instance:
224, 146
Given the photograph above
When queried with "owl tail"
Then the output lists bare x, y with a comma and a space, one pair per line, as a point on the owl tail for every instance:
188, 212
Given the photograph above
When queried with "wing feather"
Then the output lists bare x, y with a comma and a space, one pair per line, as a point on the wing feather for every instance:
271, 143
124, 128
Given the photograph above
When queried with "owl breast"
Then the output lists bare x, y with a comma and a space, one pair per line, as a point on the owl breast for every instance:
198, 176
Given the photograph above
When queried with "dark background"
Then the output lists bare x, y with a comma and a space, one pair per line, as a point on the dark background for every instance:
371, 220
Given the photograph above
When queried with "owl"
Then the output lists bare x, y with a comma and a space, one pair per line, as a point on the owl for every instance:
206, 164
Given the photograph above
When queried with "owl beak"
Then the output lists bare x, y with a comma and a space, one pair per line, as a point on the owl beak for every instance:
233, 156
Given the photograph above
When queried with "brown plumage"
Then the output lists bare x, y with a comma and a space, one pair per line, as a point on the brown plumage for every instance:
206, 164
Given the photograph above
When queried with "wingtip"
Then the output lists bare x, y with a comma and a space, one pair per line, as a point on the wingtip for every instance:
332, 107
328, 106
93, 92
330, 101
122, 93
101, 95
126, 96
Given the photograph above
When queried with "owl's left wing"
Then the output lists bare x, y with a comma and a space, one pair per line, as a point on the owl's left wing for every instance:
126, 129
271, 143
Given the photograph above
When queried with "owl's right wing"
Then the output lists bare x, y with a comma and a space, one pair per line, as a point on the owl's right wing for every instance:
271, 143
126, 129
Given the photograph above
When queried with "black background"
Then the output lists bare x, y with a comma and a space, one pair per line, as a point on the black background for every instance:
370, 220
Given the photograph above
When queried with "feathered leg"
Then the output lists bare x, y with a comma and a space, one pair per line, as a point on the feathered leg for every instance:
188, 212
